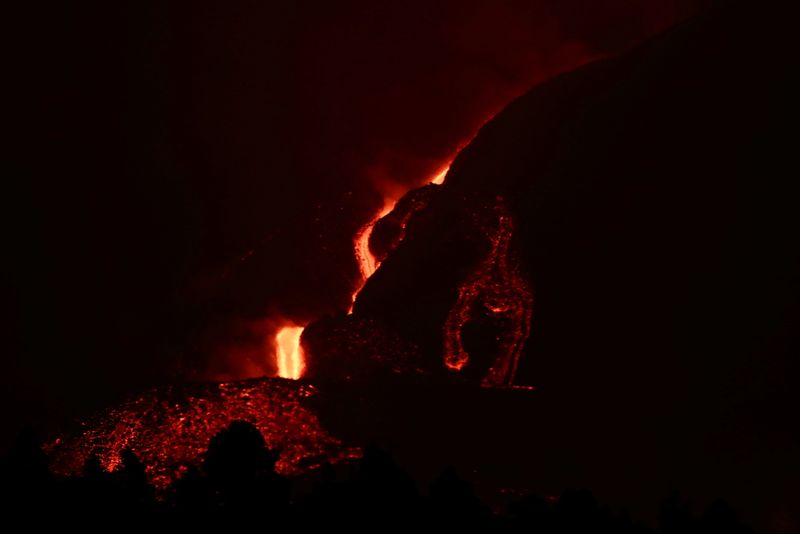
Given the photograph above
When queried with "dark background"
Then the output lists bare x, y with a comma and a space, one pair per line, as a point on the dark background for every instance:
181, 173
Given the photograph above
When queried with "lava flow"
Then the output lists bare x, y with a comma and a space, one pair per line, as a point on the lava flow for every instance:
495, 298
169, 429
367, 262
289, 357
289, 353
439, 178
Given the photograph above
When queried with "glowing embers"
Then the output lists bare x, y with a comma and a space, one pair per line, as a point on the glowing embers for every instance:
289, 353
169, 429
492, 315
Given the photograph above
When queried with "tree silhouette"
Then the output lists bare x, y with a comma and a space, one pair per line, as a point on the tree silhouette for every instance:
131, 481
191, 494
241, 471
720, 518
238, 484
453, 502
382, 492
675, 516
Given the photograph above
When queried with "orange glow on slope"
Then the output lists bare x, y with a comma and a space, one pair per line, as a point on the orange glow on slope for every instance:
367, 262
439, 178
289, 353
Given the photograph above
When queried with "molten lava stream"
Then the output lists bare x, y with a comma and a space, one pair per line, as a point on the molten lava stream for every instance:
367, 262
438, 179
289, 353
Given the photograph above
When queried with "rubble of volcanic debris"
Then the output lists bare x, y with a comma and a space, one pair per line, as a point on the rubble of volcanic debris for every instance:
169, 429
349, 348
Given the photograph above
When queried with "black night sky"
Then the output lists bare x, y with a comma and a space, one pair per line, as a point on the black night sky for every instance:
181, 172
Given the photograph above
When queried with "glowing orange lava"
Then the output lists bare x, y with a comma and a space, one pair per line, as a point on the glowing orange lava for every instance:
439, 178
289, 353
367, 262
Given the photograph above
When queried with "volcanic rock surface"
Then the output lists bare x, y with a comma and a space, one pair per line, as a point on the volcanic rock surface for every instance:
169, 429
654, 203
647, 210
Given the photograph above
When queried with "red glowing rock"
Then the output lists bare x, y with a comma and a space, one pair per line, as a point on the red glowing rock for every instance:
169, 429
496, 295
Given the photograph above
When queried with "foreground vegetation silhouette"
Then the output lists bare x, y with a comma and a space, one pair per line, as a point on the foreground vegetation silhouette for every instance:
237, 484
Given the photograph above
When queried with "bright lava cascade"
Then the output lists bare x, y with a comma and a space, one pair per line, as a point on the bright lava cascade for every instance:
289, 357
289, 352
169, 429
367, 262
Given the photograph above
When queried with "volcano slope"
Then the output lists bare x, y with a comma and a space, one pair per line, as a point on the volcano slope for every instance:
653, 199
623, 239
